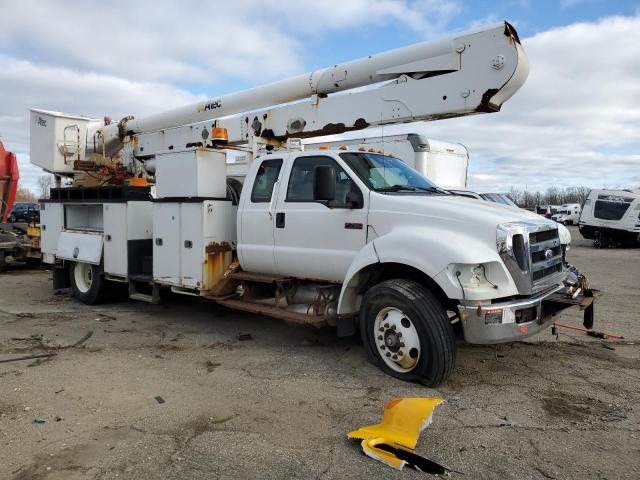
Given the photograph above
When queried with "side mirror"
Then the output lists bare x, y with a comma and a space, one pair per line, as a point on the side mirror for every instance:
324, 185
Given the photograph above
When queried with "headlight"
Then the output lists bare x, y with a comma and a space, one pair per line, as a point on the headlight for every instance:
471, 276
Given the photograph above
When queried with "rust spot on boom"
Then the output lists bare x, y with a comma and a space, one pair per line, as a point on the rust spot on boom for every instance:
328, 129
511, 33
485, 105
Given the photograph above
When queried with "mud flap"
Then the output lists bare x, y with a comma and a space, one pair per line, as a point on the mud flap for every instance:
346, 326
588, 317
60, 277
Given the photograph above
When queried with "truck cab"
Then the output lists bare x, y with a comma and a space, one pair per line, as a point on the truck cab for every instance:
413, 264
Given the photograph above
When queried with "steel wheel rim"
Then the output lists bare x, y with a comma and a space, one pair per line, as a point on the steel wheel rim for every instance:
83, 276
397, 339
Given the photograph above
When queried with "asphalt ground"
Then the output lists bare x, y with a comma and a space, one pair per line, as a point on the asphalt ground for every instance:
280, 404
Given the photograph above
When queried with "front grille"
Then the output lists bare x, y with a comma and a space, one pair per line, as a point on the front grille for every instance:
545, 272
606, 210
532, 253
545, 253
543, 236
539, 256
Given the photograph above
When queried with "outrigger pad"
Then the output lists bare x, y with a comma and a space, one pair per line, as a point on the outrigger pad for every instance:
393, 441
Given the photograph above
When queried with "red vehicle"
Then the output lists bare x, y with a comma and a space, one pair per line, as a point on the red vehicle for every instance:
8, 182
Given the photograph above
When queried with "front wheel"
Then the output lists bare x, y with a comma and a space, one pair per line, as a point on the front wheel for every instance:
407, 333
87, 282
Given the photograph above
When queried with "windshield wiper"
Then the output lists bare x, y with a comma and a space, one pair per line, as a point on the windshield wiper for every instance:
411, 188
396, 188
435, 189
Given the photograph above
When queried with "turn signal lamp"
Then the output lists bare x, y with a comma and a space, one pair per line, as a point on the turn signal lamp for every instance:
219, 134
324, 147
343, 147
138, 182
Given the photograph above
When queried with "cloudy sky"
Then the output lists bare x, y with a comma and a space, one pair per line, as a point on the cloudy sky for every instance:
576, 121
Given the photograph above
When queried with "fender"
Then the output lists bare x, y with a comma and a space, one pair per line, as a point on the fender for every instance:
431, 251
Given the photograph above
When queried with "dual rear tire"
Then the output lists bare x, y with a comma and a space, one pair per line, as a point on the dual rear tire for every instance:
407, 333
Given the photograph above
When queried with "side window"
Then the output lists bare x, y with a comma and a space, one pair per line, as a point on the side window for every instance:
267, 175
301, 180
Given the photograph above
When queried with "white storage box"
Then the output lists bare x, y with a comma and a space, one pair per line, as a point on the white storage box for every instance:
192, 173
192, 242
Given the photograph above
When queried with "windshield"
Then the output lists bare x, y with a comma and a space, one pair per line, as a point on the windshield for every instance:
387, 174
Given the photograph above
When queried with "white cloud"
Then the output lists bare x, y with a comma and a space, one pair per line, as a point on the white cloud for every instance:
119, 57
195, 41
576, 121
26, 85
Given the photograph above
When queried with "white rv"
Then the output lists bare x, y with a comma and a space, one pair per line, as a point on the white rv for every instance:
611, 217
444, 163
568, 214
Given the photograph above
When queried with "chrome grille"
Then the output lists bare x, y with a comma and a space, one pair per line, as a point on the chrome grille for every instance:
532, 253
545, 253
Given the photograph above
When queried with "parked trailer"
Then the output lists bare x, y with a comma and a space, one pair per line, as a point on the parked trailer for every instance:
611, 217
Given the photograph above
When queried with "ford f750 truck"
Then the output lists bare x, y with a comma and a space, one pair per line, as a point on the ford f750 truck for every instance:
348, 238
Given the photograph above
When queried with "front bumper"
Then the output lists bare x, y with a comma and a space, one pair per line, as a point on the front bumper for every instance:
517, 319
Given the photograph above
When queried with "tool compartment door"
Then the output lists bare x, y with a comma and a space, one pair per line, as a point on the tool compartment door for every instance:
80, 247
166, 243
51, 225
191, 244
115, 238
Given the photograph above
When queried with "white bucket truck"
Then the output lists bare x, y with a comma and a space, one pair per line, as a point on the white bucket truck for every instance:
353, 239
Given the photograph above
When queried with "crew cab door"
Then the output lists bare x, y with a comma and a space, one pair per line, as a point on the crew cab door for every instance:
256, 218
312, 239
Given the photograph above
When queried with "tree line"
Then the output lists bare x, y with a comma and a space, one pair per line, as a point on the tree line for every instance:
551, 196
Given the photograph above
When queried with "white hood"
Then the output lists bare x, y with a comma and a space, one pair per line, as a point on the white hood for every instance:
446, 213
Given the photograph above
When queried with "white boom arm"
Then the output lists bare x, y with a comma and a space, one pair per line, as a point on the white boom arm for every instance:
464, 74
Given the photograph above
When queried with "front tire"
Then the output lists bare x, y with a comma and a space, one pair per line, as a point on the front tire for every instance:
87, 282
407, 333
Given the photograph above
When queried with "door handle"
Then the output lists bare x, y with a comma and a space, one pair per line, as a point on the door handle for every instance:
280, 220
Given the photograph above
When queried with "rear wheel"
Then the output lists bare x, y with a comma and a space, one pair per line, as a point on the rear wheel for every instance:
87, 282
407, 332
